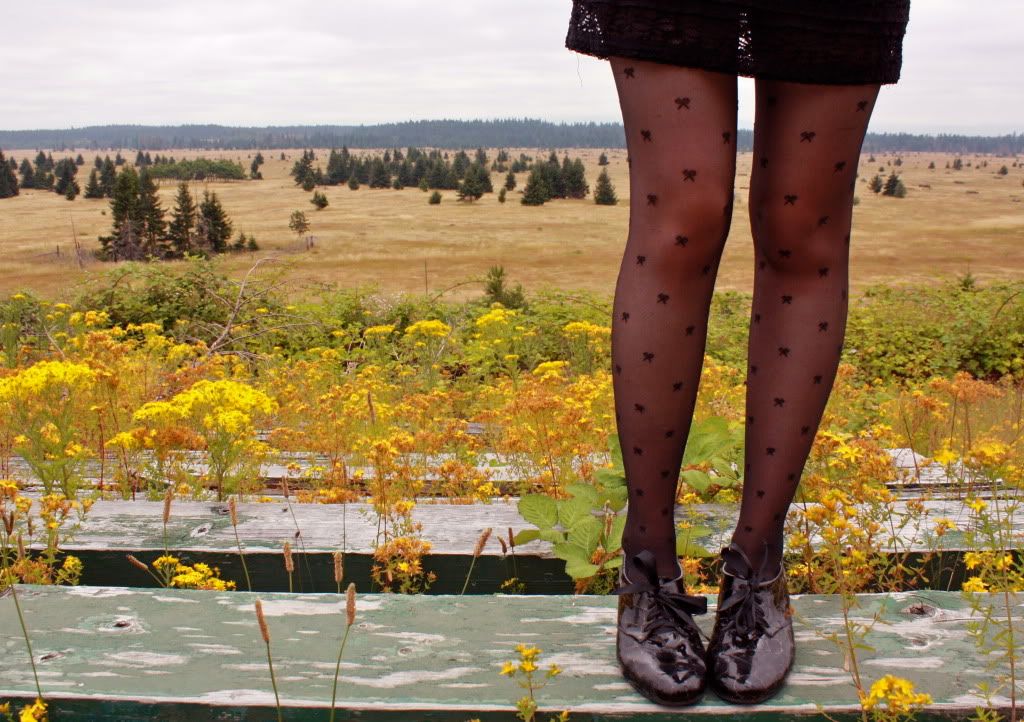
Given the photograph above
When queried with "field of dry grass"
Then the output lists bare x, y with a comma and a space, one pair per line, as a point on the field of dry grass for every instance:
950, 222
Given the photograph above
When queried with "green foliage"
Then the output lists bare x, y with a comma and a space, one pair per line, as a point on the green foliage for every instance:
510, 181
181, 230
894, 187
537, 191
876, 183
495, 290
603, 159
501, 195
8, 180
435, 198
298, 223
199, 169
213, 227
93, 189
604, 193
319, 200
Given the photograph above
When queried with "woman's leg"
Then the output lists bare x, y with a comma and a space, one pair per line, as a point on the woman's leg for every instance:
807, 142
680, 128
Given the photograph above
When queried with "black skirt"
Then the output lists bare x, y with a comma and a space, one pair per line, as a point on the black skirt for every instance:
838, 42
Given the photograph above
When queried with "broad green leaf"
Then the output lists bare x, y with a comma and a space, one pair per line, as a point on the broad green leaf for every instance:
581, 570
570, 552
586, 534
697, 479
539, 510
572, 510
552, 535
526, 535
583, 491
610, 478
613, 563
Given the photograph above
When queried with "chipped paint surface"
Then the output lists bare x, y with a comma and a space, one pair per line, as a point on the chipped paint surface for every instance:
404, 654
451, 529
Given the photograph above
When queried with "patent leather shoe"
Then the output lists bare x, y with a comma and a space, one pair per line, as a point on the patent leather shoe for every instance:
658, 644
752, 646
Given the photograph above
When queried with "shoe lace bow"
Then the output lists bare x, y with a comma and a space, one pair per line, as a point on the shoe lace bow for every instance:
748, 616
676, 608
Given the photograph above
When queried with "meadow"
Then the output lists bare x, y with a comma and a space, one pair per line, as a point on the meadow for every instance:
950, 222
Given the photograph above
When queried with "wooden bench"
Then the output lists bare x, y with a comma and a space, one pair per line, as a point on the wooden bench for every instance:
115, 653
202, 531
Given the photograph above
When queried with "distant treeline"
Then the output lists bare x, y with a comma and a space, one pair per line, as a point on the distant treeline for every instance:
455, 134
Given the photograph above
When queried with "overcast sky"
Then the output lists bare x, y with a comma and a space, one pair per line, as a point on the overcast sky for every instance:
67, 63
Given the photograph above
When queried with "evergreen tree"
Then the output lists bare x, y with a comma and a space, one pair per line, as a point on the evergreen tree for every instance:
501, 195
79, 160
43, 179
435, 198
603, 160
537, 191
140, 160
875, 183
123, 244
28, 175
423, 184
98, 163
65, 171
894, 186
353, 183
251, 244
8, 180
213, 226
153, 227
380, 177
931, 166
604, 192
510, 181
302, 170
958, 164
575, 179
472, 187
180, 231
118, 160
93, 189
319, 200
108, 177
239, 244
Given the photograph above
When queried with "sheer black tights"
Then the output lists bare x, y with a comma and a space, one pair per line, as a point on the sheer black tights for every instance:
680, 126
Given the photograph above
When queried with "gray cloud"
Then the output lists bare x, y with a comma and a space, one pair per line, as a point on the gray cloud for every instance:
266, 62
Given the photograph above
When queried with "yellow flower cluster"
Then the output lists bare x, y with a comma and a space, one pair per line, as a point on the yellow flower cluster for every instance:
45, 377
197, 576
430, 329
896, 693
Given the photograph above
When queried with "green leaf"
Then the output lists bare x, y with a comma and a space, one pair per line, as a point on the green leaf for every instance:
585, 492
570, 552
613, 563
526, 535
610, 478
539, 510
697, 479
571, 511
552, 535
687, 547
586, 534
581, 570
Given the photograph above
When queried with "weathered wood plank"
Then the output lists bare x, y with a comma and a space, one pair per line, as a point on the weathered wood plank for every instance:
912, 474
203, 531
134, 654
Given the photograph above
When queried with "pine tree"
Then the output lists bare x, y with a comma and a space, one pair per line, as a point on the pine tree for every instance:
435, 198
575, 179
93, 188
472, 187
43, 172
98, 163
537, 191
153, 226
501, 195
118, 160
604, 192
8, 181
603, 160
251, 244
319, 200
28, 175
108, 177
180, 231
213, 225
510, 181
875, 183
66, 184
123, 244
353, 183
894, 187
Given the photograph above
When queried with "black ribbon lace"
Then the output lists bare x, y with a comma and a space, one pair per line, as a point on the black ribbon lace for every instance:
676, 608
